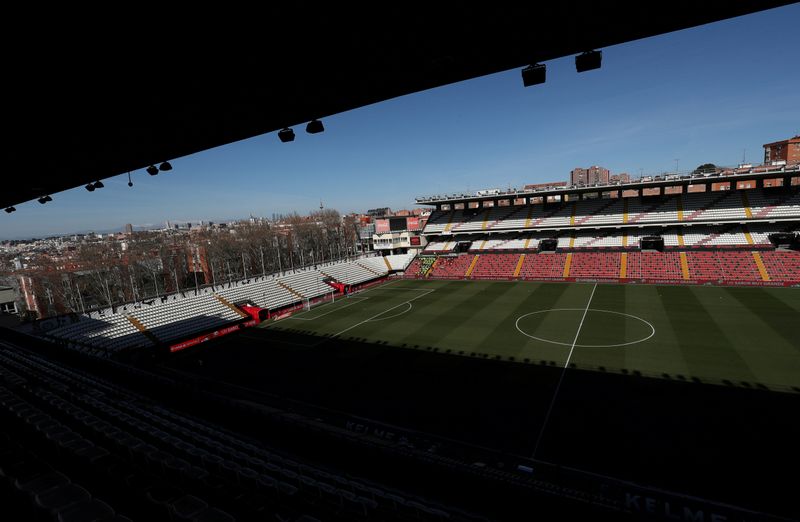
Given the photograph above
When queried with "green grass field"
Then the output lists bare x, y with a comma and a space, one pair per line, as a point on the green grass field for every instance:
691, 389
719, 335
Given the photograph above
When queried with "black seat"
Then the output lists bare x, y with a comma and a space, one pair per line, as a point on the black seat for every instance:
186, 507
42, 483
58, 499
86, 511
213, 515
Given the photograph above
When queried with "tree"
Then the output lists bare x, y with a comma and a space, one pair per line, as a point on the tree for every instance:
705, 168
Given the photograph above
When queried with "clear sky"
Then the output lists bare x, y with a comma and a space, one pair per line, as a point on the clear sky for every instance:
707, 94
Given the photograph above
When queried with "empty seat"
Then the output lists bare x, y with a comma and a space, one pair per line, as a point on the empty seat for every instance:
186, 507
86, 511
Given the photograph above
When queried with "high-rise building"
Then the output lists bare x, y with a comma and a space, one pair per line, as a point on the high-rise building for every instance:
590, 176
786, 150
129, 229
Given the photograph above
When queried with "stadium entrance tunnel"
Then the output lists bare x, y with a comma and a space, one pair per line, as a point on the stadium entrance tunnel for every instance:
598, 329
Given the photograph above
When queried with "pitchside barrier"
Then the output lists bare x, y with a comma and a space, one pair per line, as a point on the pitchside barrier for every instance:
369, 284
308, 304
646, 280
209, 336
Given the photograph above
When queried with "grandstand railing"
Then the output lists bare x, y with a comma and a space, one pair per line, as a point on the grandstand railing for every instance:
729, 174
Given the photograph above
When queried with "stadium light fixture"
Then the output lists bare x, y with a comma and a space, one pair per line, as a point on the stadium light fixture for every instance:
90, 187
534, 74
44, 199
9, 210
286, 135
98, 184
588, 61
314, 127
152, 170
164, 167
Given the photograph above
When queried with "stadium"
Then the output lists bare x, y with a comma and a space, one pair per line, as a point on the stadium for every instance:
616, 351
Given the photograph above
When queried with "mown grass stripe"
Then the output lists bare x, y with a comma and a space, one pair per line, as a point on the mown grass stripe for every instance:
539, 297
701, 340
770, 310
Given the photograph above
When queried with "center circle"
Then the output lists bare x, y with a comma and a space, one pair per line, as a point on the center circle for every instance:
648, 327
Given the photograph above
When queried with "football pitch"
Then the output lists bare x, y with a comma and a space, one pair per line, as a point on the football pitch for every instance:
718, 335
687, 388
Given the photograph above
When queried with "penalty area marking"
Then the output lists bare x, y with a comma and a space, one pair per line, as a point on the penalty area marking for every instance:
652, 328
335, 309
395, 315
381, 313
360, 299
429, 290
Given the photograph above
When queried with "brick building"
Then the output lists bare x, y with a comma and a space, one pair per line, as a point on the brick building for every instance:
590, 176
786, 150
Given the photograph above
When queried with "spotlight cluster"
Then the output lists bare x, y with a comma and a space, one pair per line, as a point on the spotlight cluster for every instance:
313, 127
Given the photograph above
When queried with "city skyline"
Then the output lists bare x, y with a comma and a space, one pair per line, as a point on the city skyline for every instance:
704, 95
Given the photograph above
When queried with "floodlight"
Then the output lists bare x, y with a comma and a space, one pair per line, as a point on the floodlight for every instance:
588, 61
314, 127
286, 135
534, 74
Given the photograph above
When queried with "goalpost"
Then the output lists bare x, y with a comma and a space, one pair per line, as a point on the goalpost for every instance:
332, 293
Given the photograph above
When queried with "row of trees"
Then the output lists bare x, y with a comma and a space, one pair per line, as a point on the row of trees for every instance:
296, 241
150, 264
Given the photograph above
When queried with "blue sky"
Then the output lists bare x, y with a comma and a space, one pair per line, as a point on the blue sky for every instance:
700, 95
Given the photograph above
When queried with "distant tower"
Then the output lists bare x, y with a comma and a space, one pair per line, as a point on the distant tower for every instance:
129, 229
320, 205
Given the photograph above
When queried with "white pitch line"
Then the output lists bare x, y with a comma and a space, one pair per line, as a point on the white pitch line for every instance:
403, 288
410, 306
523, 332
563, 371
380, 314
335, 309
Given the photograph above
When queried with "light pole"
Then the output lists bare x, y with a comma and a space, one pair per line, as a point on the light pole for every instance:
80, 297
278, 253
263, 270
133, 285
195, 259
175, 272
676, 165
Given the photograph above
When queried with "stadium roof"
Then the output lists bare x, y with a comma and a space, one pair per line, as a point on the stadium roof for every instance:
100, 101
